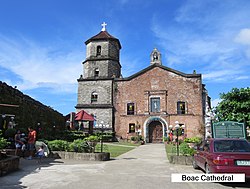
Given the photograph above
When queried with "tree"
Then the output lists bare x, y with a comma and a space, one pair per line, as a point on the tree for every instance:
235, 106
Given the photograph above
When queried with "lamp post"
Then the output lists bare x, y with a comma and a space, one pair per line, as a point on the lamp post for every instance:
183, 131
102, 126
177, 127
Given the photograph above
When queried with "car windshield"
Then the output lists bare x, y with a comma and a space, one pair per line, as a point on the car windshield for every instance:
231, 146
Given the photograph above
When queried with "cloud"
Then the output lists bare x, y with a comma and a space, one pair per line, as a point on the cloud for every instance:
202, 38
215, 102
39, 66
223, 75
243, 37
202, 48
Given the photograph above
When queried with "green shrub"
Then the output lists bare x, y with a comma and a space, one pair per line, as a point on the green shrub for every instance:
58, 145
3, 141
10, 133
196, 140
107, 138
79, 146
66, 135
92, 138
133, 138
186, 150
167, 139
137, 138
107, 135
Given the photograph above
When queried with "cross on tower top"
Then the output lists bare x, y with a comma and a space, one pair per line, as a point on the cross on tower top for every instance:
103, 26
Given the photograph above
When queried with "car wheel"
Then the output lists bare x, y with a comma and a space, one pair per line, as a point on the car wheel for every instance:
207, 169
195, 166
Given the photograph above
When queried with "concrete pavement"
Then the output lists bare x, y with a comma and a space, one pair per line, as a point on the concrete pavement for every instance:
144, 167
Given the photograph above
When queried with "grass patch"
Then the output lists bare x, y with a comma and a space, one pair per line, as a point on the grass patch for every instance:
113, 149
170, 150
126, 143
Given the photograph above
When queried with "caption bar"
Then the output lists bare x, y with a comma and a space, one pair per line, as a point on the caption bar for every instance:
207, 177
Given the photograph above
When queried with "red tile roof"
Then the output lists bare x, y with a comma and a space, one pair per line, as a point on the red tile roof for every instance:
83, 116
103, 35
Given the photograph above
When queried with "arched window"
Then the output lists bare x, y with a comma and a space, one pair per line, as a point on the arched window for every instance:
96, 72
98, 50
94, 97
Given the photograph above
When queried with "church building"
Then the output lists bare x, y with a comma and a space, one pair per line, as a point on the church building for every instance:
150, 102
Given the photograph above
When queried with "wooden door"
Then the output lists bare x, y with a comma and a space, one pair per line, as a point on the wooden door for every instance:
155, 132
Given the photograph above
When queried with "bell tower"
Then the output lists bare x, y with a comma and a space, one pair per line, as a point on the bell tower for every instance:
102, 56
96, 85
155, 57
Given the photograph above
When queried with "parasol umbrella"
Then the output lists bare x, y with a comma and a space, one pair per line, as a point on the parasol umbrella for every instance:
84, 116
45, 147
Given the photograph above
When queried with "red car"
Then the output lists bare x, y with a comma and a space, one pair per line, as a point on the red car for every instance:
224, 155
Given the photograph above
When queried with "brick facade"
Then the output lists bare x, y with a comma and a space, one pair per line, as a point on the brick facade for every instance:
168, 85
159, 96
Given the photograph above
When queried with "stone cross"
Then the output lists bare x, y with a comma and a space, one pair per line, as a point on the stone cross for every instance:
103, 26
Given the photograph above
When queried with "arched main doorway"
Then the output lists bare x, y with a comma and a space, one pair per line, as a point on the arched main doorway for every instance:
155, 128
155, 132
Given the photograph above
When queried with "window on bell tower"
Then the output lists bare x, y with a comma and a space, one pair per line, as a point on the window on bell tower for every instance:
98, 50
96, 72
94, 97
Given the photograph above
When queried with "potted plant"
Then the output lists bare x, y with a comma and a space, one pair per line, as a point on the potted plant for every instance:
92, 141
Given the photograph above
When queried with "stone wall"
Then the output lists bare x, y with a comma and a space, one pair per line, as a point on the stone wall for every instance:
181, 160
107, 63
102, 114
11, 163
104, 156
103, 108
102, 87
29, 112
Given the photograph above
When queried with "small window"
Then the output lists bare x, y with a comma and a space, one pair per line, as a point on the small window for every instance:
94, 97
96, 72
131, 128
130, 109
155, 104
98, 50
181, 107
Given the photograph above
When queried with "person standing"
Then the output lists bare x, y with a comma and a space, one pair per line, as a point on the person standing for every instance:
31, 142
18, 142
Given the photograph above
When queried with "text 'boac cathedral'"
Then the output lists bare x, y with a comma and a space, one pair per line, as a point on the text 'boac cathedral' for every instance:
148, 103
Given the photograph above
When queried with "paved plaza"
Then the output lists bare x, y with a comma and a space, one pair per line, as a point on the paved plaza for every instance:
145, 167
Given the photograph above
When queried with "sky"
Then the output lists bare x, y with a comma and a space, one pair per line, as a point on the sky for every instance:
42, 42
